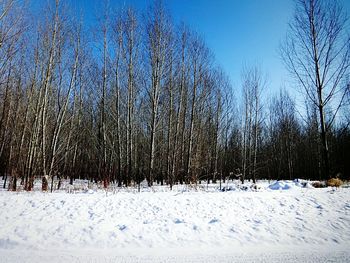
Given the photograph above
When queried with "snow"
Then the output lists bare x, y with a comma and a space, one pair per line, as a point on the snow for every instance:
279, 186
286, 185
285, 220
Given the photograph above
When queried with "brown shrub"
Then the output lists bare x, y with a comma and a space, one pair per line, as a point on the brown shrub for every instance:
318, 184
334, 182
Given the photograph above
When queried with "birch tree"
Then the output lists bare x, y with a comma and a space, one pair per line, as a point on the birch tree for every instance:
158, 47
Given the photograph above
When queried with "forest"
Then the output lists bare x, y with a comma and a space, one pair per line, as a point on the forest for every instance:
137, 96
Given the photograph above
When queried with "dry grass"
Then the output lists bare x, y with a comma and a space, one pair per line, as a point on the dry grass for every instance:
334, 182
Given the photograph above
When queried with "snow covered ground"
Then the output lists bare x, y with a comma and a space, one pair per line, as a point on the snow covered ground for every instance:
285, 221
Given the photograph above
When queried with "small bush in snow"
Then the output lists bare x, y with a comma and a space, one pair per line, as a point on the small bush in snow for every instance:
334, 182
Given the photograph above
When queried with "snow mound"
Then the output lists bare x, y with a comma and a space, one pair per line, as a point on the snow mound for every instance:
287, 185
280, 185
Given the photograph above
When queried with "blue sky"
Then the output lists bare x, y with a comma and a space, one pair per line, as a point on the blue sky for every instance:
241, 33
245, 32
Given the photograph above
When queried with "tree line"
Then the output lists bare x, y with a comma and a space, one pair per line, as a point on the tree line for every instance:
135, 96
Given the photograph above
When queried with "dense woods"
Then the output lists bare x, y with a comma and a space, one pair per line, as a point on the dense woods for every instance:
135, 96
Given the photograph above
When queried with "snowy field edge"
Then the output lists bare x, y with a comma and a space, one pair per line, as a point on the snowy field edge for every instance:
287, 222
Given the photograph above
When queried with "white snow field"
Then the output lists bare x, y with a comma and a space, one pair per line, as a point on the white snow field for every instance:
281, 222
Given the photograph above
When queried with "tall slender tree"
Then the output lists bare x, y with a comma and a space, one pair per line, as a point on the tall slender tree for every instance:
317, 53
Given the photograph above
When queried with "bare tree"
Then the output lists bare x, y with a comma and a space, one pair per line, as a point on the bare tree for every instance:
158, 30
317, 53
284, 133
182, 104
199, 59
132, 43
253, 85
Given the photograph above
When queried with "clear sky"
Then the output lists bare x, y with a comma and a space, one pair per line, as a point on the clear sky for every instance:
239, 32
